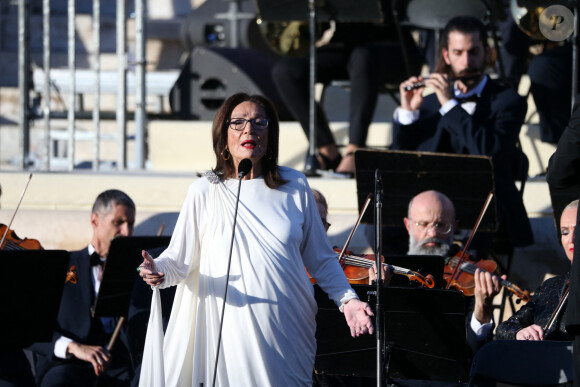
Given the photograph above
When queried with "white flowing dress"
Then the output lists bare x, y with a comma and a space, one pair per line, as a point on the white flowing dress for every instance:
269, 319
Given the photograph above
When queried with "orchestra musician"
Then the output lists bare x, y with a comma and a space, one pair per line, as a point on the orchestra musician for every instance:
78, 354
15, 369
431, 224
322, 207
267, 337
367, 54
531, 321
468, 113
564, 181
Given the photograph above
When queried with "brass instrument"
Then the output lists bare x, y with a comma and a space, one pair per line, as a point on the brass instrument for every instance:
527, 15
288, 38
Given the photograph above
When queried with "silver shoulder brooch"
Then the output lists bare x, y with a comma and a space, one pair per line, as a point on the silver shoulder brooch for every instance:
211, 176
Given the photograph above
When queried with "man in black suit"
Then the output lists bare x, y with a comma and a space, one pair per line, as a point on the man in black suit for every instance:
367, 54
78, 355
468, 113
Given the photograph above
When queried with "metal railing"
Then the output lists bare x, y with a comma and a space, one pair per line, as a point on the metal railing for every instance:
24, 82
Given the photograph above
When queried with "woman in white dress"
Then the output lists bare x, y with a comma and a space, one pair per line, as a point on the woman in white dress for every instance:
267, 338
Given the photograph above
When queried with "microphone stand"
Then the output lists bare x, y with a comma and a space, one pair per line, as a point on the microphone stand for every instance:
575, 52
241, 175
312, 163
379, 282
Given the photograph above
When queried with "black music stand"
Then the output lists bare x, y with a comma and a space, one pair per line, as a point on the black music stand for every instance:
314, 11
424, 334
465, 179
30, 295
120, 273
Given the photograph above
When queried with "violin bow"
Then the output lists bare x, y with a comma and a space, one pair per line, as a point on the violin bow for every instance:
477, 223
15, 211
364, 208
115, 334
558, 309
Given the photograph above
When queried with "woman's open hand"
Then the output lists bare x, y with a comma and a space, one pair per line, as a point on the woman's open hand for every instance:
148, 270
357, 314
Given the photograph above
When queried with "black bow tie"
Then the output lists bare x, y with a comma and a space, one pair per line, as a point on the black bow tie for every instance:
96, 259
471, 98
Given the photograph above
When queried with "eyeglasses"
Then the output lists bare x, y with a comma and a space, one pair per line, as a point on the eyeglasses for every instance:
425, 227
239, 124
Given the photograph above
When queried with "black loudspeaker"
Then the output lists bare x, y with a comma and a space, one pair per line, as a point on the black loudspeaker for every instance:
212, 74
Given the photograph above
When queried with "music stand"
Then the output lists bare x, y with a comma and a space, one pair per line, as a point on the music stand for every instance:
120, 273
465, 179
313, 11
424, 333
30, 295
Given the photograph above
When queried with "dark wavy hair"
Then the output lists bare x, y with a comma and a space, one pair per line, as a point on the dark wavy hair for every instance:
465, 25
269, 162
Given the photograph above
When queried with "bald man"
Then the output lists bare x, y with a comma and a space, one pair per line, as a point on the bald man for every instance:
431, 224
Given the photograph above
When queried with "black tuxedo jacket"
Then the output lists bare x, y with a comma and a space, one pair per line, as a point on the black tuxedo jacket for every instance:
75, 320
493, 130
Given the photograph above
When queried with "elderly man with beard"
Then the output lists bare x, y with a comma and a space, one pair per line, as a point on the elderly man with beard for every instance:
431, 223
468, 113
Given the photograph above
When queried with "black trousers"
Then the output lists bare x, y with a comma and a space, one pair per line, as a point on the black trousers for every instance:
366, 66
551, 86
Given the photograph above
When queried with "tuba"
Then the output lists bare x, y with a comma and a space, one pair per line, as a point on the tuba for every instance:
292, 38
527, 14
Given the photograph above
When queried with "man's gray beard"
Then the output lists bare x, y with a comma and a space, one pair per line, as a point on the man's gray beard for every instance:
419, 248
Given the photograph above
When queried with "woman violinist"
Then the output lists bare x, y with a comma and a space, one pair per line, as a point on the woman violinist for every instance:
541, 318
431, 223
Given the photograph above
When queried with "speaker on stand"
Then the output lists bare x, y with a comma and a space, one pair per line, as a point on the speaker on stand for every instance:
228, 54
212, 74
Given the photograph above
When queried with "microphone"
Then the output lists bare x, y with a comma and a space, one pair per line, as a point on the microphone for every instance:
244, 168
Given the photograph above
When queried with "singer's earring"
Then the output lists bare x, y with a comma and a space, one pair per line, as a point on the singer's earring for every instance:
229, 155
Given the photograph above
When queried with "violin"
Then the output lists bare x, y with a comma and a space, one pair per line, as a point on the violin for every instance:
460, 270
464, 279
356, 268
11, 241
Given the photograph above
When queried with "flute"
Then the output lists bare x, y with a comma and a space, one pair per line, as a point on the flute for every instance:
417, 85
